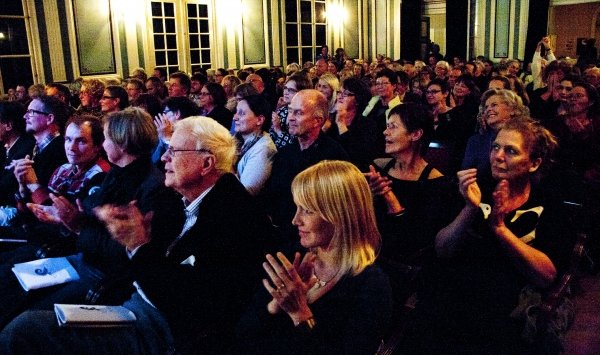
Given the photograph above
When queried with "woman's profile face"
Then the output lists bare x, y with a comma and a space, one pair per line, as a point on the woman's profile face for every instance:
113, 151
324, 89
397, 138
246, 122
509, 156
314, 231
497, 112
206, 99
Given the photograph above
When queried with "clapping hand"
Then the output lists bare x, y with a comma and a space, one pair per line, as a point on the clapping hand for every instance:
164, 126
467, 183
126, 224
287, 287
501, 206
379, 185
61, 211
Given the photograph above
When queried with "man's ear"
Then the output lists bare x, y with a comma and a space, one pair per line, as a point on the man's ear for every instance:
51, 118
208, 165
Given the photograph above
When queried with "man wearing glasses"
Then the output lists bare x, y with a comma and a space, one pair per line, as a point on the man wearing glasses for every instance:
44, 120
190, 292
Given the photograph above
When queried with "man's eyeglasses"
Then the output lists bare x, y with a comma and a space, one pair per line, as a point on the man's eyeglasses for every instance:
32, 111
171, 152
291, 90
346, 93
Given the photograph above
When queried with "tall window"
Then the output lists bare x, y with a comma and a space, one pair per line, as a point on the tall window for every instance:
15, 59
199, 36
165, 36
305, 29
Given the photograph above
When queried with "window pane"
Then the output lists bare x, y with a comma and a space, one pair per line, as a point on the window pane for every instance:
305, 11
193, 26
196, 68
203, 26
172, 57
11, 7
292, 55
16, 71
307, 54
159, 42
157, 25
291, 35
203, 9
319, 12
321, 34
15, 37
172, 69
291, 11
306, 35
192, 10
156, 8
161, 59
169, 9
171, 42
206, 56
170, 25
204, 41
194, 41
195, 56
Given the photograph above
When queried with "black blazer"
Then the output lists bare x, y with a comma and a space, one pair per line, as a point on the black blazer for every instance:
221, 254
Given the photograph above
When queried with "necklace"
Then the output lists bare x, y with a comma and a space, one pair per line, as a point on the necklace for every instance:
322, 283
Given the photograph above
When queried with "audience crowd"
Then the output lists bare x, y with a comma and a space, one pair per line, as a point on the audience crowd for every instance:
299, 210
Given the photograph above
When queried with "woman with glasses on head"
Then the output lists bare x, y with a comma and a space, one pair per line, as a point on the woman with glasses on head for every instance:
356, 133
333, 300
212, 104
114, 99
279, 129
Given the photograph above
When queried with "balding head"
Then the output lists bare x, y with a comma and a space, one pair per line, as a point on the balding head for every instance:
307, 113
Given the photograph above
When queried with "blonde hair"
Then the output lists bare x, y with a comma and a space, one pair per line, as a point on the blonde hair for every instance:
339, 193
508, 97
212, 136
334, 84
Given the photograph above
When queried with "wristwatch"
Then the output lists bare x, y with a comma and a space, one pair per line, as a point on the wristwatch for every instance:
307, 324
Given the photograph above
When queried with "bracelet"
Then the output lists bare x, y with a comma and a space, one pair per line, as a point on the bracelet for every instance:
307, 324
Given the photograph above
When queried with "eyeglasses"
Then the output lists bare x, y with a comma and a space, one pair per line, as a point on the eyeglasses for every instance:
108, 97
432, 92
31, 112
382, 83
292, 90
346, 93
171, 151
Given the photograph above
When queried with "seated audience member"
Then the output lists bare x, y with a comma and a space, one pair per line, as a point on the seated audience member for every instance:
140, 74
63, 93
191, 291
329, 85
307, 113
84, 171
413, 200
148, 103
44, 120
497, 107
545, 100
229, 83
212, 104
114, 99
197, 83
335, 300
174, 109
578, 133
356, 133
90, 94
592, 77
280, 129
499, 244
257, 149
517, 86
156, 87
499, 82
135, 87
129, 138
17, 144
179, 84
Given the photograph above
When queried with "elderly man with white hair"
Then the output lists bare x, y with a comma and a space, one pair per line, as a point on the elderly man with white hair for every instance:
192, 290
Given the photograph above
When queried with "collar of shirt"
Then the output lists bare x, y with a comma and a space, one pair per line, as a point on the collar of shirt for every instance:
44, 143
191, 208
